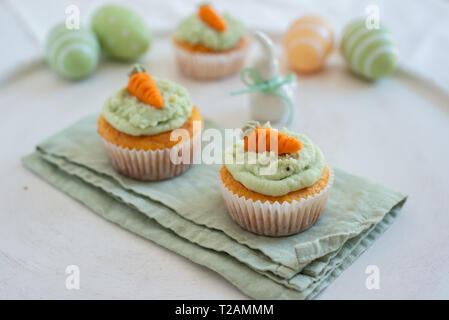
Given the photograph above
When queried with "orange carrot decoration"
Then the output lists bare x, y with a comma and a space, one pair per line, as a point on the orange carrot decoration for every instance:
143, 87
212, 18
285, 143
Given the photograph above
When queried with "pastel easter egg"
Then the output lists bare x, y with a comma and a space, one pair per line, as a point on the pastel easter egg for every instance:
308, 42
123, 34
72, 53
370, 53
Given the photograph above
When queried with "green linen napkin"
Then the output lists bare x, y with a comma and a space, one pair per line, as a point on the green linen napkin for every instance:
189, 209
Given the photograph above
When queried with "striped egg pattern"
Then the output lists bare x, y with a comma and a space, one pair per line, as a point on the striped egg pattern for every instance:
370, 53
72, 53
308, 42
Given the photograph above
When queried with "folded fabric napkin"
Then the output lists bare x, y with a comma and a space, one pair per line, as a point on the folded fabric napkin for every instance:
187, 215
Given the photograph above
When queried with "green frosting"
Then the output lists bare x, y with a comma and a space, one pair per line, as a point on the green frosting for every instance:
128, 114
274, 175
194, 31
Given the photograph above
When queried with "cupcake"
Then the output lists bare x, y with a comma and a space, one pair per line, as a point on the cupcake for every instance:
209, 45
274, 183
150, 128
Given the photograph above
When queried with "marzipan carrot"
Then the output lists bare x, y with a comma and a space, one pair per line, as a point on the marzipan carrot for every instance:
285, 143
212, 18
143, 87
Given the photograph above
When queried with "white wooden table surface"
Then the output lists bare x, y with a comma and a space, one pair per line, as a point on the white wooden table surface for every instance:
394, 132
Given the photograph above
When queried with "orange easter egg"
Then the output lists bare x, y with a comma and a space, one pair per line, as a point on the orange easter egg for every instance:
308, 42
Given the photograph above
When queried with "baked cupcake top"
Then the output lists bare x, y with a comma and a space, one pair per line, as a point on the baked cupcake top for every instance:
296, 164
148, 105
207, 27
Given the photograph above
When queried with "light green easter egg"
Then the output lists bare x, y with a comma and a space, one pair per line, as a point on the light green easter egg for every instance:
123, 34
370, 53
72, 53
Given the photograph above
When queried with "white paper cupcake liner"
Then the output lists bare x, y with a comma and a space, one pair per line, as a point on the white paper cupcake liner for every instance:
276, 219
210, 65
152, 164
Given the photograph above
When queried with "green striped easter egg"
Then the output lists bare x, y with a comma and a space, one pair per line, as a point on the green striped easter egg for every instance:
123, 34
371, 54
72, 53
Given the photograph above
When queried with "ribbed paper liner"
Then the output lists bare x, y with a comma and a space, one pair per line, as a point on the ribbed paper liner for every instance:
210, 65
275, 219
151, 164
